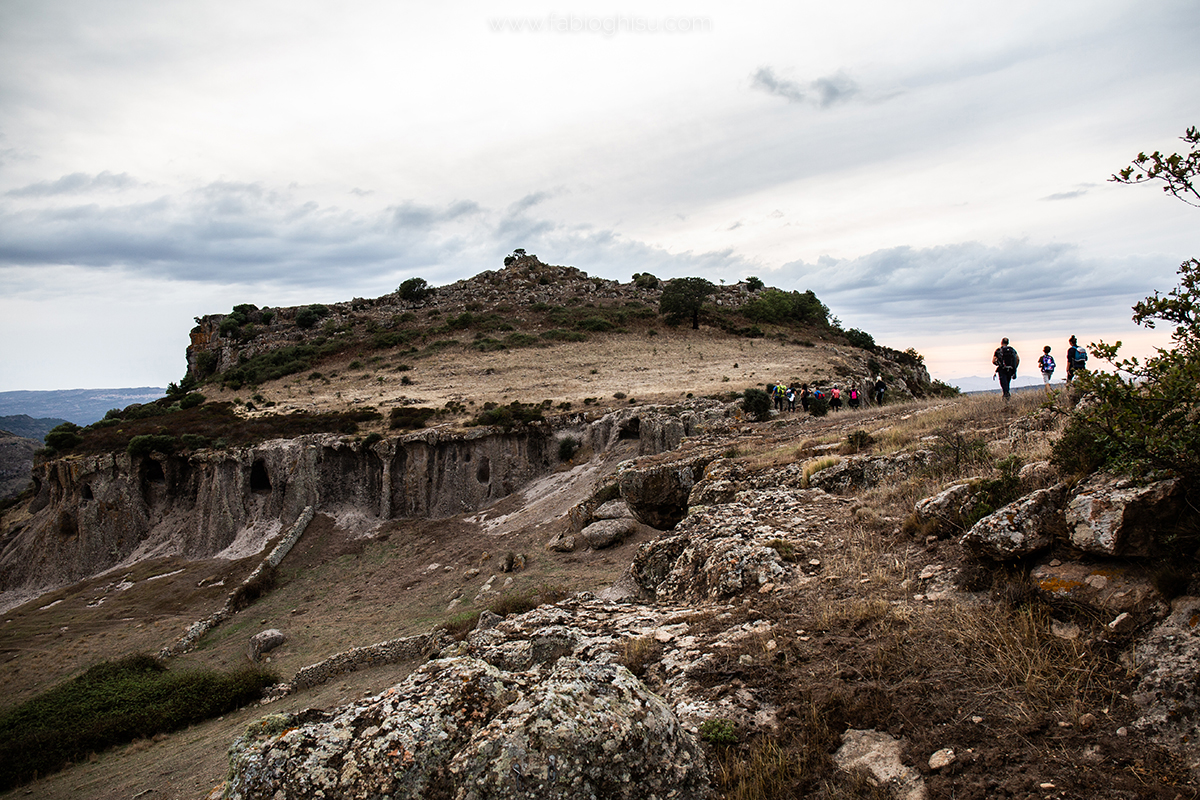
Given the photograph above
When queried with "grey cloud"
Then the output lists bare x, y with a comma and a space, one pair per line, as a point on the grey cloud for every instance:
76, 183
413, 215
962, 287
822, 92
1071, 195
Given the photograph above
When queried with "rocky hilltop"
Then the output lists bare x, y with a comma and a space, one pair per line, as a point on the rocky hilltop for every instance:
612, 589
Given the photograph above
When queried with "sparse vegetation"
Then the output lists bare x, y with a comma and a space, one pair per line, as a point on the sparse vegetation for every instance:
113, 703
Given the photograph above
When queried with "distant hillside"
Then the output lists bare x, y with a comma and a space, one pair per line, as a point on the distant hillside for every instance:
27, 427
16, 463
81, 406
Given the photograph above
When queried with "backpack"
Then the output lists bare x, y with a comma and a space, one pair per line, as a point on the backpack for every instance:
1080, 357
1047, 363
1006, 358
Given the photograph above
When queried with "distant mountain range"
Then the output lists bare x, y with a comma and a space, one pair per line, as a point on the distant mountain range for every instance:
81, 406
975, 383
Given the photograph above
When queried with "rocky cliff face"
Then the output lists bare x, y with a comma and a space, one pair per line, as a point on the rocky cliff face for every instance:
92, 513
95, 512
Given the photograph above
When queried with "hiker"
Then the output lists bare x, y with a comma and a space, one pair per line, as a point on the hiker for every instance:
1006, 360
1076, 359
791, 398
853, 400
1046, 364
880, 388
805, 397
835, 398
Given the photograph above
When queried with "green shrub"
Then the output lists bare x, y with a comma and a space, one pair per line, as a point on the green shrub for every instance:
818, 406
567, 447
754, 284
191, 401
779, 307
409, 417
306, 318
113, 703
144, 445
509, 416
64, 437
860, 339
595, 325
644, 280
757, 404
414, 290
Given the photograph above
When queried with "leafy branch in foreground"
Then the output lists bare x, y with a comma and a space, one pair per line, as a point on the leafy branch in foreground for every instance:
1146, 415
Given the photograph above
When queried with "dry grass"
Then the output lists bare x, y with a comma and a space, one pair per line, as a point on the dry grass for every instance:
813, 466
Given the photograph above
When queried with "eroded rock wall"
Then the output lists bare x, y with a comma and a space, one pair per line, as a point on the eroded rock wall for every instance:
96, 512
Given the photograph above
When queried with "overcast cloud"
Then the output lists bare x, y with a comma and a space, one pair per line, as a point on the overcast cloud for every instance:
935, 171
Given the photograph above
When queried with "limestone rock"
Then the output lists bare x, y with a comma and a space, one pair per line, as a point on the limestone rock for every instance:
1167, 693
718, 568
265, 642
613, 509
947, 506
1023, 527
563, 542
608, 532
863, 472
655, 560
879, 754
1112, 588
1114, 516
657, 493
721, 482
464, 729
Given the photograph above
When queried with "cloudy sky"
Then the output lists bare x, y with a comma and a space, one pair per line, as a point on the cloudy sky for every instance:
936, 171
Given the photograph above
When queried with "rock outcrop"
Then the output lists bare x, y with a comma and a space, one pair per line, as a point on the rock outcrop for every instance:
1115, 516
462, 728
657, 493
862, 472
1024, 527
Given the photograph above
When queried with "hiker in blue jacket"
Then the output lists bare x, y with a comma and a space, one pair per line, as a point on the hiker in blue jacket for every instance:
1046, 365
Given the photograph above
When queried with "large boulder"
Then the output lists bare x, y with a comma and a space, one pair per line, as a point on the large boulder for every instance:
657, 493
461, 728
1110, 587
863, 472
1115, 516
718, 568
1021, 528
655, 560
1167, 695
607, 532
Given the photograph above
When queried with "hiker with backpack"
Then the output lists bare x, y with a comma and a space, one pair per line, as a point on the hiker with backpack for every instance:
878, 390
853, 400
1076, 359
1006, 360
1046, 364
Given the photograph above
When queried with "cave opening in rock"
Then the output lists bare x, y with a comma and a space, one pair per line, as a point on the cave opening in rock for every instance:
152, 471
630, 429
260, 480
483, 473
86, 492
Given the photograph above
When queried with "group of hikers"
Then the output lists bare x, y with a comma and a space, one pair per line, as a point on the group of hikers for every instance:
786, 395
1006, 361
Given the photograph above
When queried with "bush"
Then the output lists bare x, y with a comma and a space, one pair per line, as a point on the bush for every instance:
414, 290
860, 339
409, 417
818, 406
644, 280
113, 703
757, 404
718, 731
779, 307
144, 445
509, 416
754, 284
64, 437
567, 447
306, 318
191, 401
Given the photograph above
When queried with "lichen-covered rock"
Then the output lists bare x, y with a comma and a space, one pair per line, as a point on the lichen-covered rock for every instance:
562, 542
654, 561
1114, 516
721, 482
608, 532
946, 507
1110, 587
863, 472
715, 569
460, 728
880, 754
613, 509
657, 493
1023, 527
1168, 661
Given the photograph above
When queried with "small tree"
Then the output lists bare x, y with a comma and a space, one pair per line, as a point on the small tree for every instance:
754, 284
414, 290
683, 298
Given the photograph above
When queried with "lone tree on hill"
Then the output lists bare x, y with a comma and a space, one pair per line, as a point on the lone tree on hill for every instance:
1148, 421
683, 298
